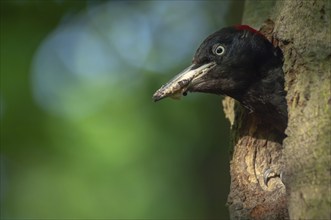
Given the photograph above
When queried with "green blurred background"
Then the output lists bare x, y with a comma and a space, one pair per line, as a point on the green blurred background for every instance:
80, 135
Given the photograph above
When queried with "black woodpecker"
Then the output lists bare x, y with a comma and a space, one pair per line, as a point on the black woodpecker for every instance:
239, 62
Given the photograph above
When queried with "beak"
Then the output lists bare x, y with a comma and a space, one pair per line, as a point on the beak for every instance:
181, 83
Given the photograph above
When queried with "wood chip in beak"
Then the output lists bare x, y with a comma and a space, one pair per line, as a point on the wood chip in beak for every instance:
179, 85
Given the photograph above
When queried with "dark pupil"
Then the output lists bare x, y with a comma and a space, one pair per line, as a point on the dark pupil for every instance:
219, 50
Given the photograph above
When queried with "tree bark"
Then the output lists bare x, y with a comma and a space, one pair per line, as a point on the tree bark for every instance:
302, 30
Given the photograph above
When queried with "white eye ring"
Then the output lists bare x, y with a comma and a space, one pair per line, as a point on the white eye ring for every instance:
218, 49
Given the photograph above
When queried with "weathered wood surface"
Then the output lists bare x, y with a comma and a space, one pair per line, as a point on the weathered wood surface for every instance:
302, 30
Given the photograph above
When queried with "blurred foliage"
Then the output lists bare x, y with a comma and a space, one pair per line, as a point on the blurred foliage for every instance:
80, 135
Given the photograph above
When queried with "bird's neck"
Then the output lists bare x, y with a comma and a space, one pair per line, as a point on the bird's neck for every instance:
267, 97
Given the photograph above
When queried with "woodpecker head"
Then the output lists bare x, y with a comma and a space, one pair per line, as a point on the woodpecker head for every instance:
233, 61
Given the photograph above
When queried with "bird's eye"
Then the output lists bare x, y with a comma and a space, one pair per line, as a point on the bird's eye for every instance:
218, 49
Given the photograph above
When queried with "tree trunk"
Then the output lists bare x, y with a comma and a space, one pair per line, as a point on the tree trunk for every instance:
302, 30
